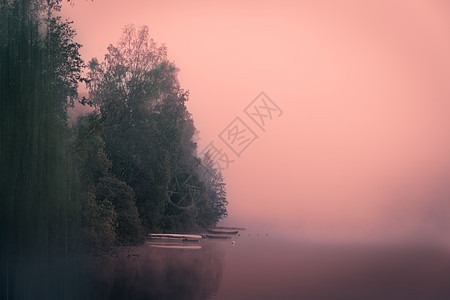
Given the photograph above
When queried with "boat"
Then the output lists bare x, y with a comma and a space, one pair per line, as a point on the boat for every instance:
217, 236
175, 236
230, 228
223, 231
174, 246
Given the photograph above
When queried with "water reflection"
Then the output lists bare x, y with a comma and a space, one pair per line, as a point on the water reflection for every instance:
158, 271
245, 267
270, 268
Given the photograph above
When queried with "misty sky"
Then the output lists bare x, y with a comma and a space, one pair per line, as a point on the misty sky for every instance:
363, 144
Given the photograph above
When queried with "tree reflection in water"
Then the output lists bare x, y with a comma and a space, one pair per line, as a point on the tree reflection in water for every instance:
145, 272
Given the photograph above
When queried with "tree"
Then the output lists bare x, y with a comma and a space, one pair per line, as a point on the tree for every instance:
109, 211
99, 222
216, 188
139, 97
150, 135
129, 227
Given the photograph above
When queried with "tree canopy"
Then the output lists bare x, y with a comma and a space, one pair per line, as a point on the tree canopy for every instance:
149, 133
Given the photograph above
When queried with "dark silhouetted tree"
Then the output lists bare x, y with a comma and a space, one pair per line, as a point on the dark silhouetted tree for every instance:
148, 130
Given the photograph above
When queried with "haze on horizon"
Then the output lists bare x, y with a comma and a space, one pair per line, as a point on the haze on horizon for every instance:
363, 144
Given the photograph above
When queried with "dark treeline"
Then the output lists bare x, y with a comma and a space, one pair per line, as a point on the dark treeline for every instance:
128, 168
139, 168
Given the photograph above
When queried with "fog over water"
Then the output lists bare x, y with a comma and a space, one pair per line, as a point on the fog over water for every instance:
267, 267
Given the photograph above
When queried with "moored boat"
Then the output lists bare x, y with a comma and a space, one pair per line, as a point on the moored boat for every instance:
230, 228
175, 236
217, 236
223, 231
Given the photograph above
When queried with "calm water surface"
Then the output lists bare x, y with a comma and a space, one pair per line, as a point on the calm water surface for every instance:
266, 267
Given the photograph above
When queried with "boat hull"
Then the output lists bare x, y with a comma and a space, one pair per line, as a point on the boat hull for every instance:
226, 232
218, 236
175, 236
229, 228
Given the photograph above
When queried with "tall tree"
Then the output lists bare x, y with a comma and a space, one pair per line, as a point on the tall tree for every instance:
149, 133
144, 109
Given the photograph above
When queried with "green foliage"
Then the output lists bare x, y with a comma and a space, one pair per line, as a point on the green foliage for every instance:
109, 211
99, 221
129, 227
216, 189
90, 149
148, 132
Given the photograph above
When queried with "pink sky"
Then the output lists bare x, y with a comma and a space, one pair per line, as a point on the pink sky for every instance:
364, 140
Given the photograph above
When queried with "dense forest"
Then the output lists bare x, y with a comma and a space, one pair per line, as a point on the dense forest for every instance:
128, 168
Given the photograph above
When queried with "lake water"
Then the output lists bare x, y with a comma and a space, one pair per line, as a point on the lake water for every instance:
266, 267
